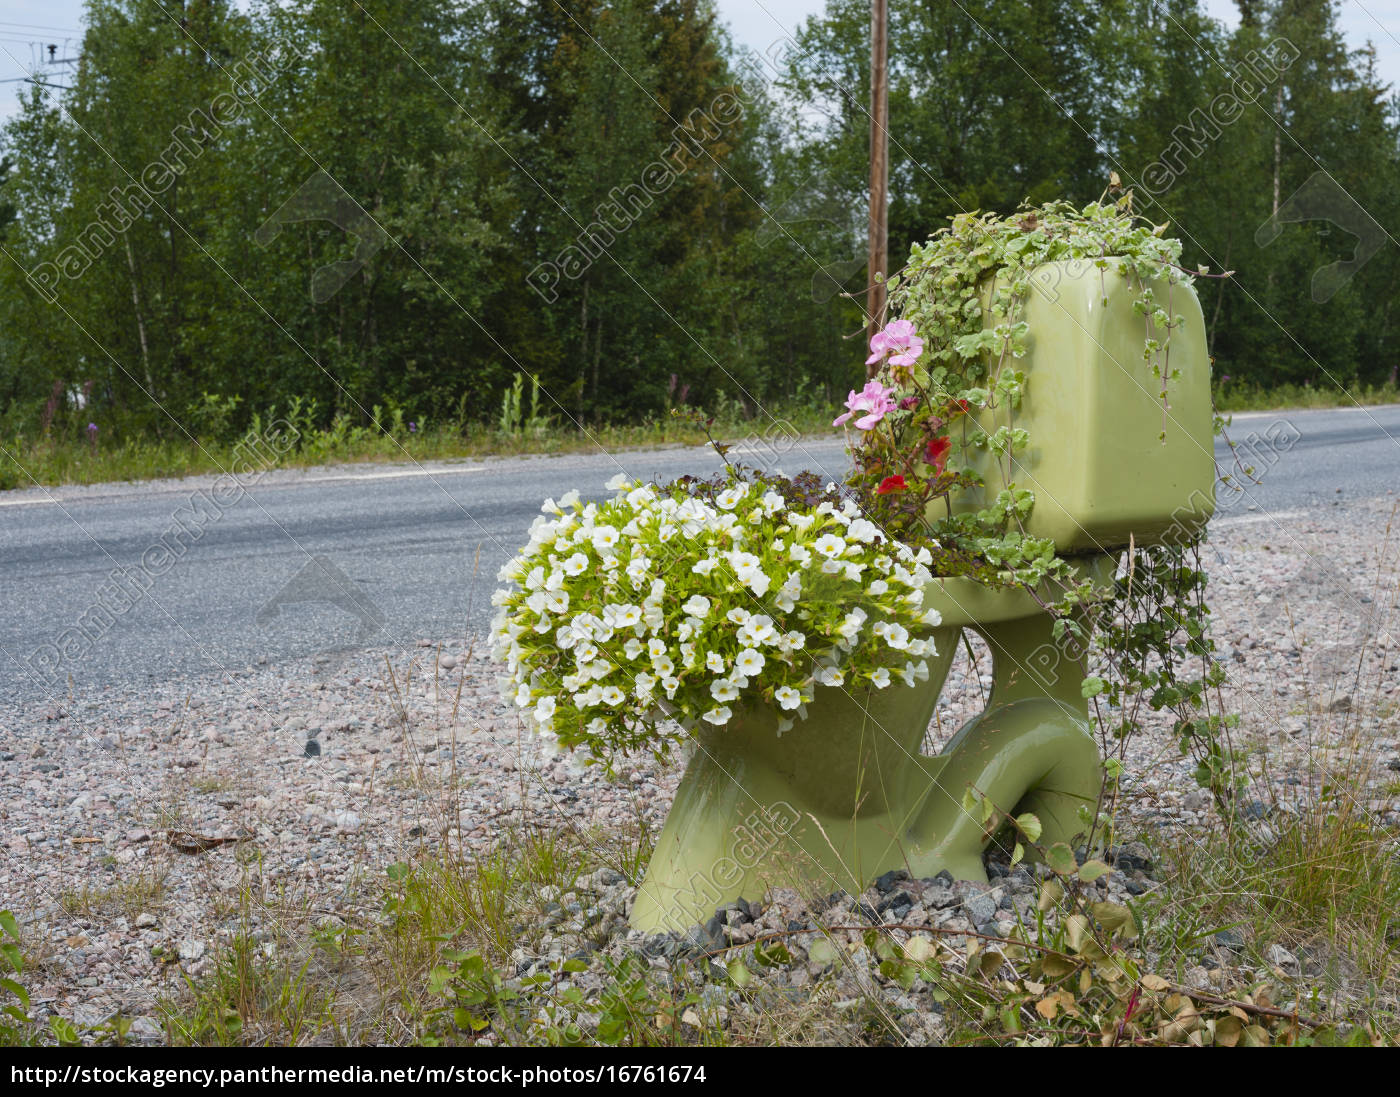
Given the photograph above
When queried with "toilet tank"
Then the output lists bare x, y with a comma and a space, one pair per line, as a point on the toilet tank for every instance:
1106, 460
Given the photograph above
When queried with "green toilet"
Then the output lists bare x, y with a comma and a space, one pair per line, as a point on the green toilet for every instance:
847, 795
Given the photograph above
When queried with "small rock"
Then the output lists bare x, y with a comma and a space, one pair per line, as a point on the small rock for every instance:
1232, 940
346, 822
887, 882
312, 749
191, 949
145, 920
1280, 957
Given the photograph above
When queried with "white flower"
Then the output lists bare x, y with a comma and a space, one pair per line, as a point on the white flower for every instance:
656, 648
772, 502
738, 616
932, 618
915, 672
719, 715
795, 640
722, 689
829, 545
544, 709
697, 605
715, 661
510, 570
670, 685
557, 601
604, 537
877, 588
704, 567
787, 698
618, 482
727, 499
853, 572
830, 676
756, 630
850, 627
897, 636
522, 695
799, 555
613, 696
570, 500
663, 666
880, 678
801, 521
749, 661
644, 683
862, 531
576, 564
632, 648
743, 561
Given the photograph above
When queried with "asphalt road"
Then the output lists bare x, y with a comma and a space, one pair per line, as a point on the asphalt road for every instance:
110, 585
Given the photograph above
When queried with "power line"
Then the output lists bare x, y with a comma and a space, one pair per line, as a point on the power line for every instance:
35, 26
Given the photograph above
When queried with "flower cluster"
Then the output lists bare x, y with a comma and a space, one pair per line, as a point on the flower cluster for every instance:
661, 604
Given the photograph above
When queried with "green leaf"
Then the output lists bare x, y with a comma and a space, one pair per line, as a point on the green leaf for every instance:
1060, 859
1090, 871
1029, 825
1092, 686
1116, 918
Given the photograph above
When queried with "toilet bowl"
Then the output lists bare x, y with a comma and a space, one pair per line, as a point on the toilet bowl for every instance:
848, 794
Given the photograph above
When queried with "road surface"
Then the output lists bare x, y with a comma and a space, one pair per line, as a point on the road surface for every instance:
109, 584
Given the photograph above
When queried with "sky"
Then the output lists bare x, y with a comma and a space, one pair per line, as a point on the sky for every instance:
27, 27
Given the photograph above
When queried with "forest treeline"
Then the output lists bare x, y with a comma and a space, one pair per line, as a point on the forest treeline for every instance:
405, 204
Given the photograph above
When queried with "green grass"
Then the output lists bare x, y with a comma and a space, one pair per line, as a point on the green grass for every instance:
26, 462
1287, 397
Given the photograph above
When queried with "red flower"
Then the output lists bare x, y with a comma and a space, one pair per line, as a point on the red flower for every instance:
891, 483
908, 402
937, 452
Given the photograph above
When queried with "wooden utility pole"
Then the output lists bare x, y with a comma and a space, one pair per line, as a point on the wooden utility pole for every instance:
879, 165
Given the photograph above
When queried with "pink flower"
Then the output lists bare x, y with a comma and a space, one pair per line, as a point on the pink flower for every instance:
899, 340
873, 399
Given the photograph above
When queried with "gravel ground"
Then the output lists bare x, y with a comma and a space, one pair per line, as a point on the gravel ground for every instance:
131, 822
